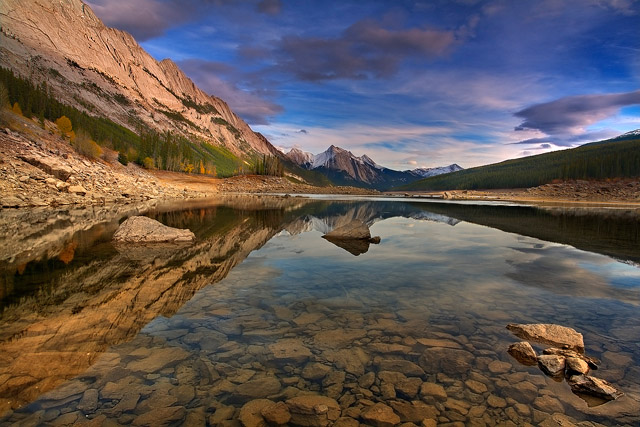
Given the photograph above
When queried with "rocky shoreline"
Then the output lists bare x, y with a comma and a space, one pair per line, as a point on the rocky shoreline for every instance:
38, 168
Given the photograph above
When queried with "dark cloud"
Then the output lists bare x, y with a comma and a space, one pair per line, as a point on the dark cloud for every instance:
253, 106
144, 19
270, 7
574, 113
362, 50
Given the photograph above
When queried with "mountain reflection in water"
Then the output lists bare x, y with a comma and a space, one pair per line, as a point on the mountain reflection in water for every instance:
70, 296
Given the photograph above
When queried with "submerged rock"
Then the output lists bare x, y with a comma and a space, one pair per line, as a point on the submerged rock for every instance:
548, 333
592, 386
523, 353
313, 410
380, 415
140, 229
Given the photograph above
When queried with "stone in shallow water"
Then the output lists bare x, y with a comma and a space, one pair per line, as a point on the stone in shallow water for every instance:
448, 360
250, 415
159, 359
290, 350
160, 416
499, 367
591, 361
576, 366
405, 367
551, 364
414, 412
523, 391
276, 414
548, 333
434, 390
315, 371
89, 401
380, 415
313, 411
476, 386
523, 353
593, 386
496, 402
259, 388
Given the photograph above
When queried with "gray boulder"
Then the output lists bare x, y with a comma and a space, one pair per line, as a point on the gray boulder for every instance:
140, 229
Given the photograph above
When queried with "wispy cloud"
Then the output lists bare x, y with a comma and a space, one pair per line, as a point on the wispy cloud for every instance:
572, 114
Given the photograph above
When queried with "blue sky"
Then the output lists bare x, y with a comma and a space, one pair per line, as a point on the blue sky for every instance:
409, 83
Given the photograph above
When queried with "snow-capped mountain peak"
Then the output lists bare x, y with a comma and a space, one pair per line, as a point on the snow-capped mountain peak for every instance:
427, 172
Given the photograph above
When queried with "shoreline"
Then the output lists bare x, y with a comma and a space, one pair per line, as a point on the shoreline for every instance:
40, 169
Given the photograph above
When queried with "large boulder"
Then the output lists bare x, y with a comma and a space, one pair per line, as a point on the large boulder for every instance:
353, 237
355, 229
50, 165
140, 229
548, 333
586, 384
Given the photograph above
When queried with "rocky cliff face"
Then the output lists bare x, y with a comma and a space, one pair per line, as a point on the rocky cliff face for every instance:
105, 72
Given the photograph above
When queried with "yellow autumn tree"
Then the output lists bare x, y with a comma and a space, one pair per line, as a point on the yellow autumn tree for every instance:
64, 125
16, 109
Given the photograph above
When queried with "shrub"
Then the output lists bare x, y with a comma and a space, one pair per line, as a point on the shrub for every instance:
84, 145
148, 163
16, 109
122, 158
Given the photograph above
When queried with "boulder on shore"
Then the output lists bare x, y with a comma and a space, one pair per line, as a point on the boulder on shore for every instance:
548, 333
140, 229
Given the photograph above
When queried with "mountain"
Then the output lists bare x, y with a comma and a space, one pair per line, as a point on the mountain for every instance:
344, 168
427, 172
103, 72
608, 159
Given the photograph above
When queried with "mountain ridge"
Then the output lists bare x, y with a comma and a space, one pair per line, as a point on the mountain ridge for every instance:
342, 166
105, 71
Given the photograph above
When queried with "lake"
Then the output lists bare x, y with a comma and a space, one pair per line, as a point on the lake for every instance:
262, 307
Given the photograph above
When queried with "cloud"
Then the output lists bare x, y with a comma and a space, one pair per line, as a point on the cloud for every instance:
270, 7
253, 106
572, 114
144, 19
364, 49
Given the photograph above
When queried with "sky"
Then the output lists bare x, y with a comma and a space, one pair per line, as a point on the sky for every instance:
409, 83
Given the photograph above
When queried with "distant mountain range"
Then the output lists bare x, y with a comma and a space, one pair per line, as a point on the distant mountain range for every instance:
613, 158
342, 167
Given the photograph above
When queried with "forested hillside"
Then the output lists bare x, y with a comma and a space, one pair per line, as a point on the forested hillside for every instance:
147, 147
599, 160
